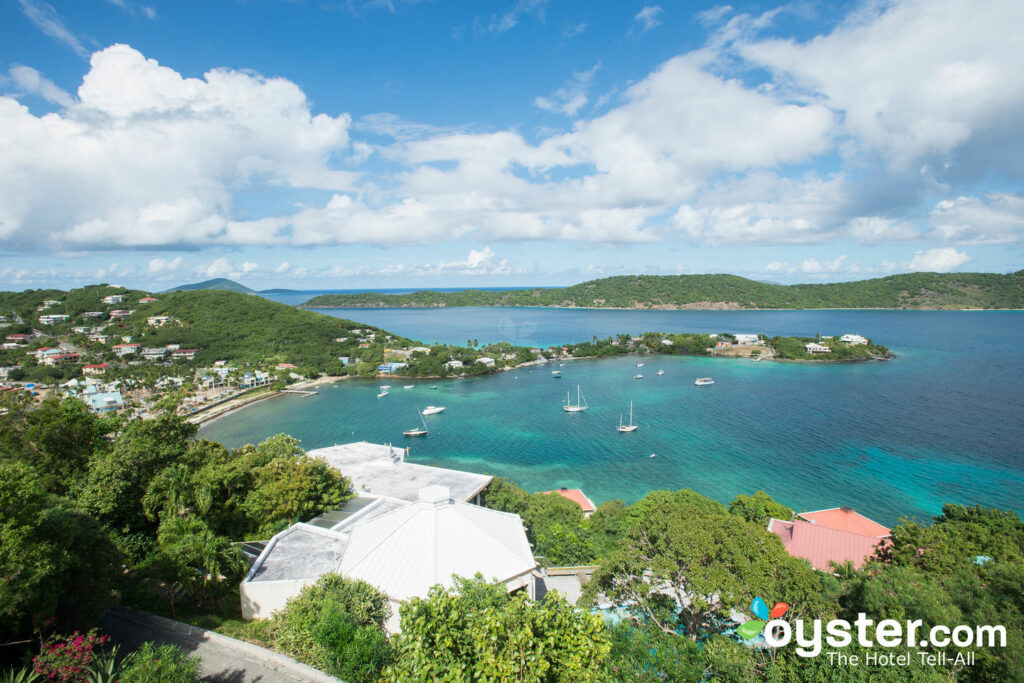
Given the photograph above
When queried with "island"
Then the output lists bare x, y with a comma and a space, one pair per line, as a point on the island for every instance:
924, 291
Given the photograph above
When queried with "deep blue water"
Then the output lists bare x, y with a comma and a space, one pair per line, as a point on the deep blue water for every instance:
300, 297
940, 423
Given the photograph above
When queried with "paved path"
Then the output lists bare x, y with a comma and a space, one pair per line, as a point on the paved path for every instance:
225, 660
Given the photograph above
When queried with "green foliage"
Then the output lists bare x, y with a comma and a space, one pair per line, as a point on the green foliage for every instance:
164, 663
308, 627
711, 561
57, 564
759, 508
912, 290
485, 636
502, 494
646, 654
293, 489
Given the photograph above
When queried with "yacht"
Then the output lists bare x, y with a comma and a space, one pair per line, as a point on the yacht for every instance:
556, 373
433, 410
661, 372
408, 386
417, 430
638, 376
382, 394
581, 402
639, 365
703, 381
630, 427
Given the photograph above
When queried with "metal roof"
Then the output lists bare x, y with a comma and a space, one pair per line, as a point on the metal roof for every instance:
382, 470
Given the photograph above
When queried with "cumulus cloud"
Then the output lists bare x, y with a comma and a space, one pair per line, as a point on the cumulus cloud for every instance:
996, 218
221, 267
159, 267
27, 80
939, 260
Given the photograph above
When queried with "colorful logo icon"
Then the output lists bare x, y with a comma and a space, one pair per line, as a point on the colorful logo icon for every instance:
752, 628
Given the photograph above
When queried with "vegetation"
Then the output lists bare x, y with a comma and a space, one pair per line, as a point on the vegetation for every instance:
913, 290
477, 631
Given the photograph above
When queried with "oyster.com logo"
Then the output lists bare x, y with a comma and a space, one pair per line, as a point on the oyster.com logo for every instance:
751, 629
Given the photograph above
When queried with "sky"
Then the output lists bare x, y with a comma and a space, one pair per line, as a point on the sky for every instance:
330, 144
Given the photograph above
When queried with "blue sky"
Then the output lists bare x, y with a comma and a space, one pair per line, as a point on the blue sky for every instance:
325, 144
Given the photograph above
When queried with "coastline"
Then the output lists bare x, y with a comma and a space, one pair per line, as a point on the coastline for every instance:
663, 307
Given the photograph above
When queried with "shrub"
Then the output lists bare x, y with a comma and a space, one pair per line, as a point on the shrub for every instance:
164, 663
67, 658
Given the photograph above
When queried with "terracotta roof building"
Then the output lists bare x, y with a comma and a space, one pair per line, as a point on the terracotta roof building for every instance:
826, 536
577, 496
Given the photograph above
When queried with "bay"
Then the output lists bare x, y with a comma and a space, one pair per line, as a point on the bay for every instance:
940, 423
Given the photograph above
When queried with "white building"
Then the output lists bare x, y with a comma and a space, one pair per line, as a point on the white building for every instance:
113, 299
488, 362
853, 339
154, 353
814, 347
453, 364
158, 320
664, 342
53, 318
400, 547
747, 338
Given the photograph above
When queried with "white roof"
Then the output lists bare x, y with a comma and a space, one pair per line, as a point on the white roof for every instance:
408, 550
382, 470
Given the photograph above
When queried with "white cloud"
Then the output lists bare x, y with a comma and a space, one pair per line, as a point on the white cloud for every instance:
996, 218
221, 267
47, 20
940, 260
511, 18
159, 267
648, 17
571, 97
27, 80
283, 268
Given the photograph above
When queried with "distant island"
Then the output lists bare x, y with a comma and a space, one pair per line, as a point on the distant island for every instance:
921, 291
218, 284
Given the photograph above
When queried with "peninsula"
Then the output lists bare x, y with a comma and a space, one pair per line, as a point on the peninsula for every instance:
923, 291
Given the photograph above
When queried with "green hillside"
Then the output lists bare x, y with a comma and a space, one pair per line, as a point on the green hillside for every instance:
220, 283
912, 291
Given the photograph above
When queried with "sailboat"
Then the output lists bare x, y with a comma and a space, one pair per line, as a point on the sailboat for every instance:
416, 431
630, 427
382, 394
581, 403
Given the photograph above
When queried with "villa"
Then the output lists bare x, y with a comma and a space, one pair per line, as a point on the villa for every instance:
154, 353
577, 496
113, 299
834, 535
126, 349
853, 339
388, 368
104, 401
746, 339
114, 315
158, 320
485, 361
187, 354
53, 318
409, 527
94, 314
95, 368
453, 364
814, 347
19, 338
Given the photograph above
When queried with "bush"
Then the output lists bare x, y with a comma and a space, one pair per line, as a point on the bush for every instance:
164, 663
68, 658
302, 629
354, 653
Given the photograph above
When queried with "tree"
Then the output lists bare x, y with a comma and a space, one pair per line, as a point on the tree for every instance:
476, 631
684, 564
206, 556
502, 494
58, 565
293, 488
759, 507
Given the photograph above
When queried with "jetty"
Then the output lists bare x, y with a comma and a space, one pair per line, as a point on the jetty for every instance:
301, 392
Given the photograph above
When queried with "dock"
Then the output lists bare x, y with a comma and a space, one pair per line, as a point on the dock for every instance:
301, 392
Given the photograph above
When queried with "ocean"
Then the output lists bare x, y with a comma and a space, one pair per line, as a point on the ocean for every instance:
939, 423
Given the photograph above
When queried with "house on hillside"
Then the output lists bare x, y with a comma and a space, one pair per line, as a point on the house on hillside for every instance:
53, 319
577, 496
185, 354
814, 347
53, 360
113, 299
155, 353
119, 314
19, 338
747, 339
485, 361
94, 314
453, 364
104, 401
391, 367
95, 368
147, 300
854, 339
158, 320
834, 535
126, 349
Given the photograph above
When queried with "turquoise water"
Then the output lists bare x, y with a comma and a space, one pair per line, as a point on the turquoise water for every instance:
942, 422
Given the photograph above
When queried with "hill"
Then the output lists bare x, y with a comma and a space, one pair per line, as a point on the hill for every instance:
219, 283
908, 291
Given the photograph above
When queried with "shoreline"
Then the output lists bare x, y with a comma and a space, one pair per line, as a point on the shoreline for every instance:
204, 417
672, 307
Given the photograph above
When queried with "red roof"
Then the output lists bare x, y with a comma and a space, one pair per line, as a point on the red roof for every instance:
577, 496
99, 365
123, 346
846, 519
284, 366
820, 544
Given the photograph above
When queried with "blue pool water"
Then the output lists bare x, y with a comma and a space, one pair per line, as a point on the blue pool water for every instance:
940, 423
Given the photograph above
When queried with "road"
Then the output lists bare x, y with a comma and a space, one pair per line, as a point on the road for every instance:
224, 660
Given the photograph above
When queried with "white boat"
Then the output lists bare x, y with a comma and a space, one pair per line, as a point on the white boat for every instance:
408, 386
630, 427
433, 410
638, 376
556, 373
385, 387
561, 365
756, 359
417, 431
382, 394
433, 387
581, 402
639, 365
661, 372
653, 454
703, 381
